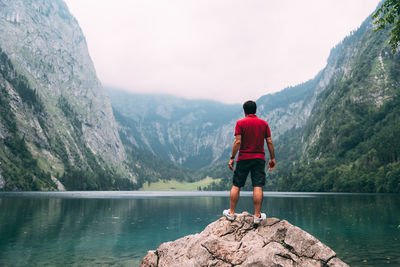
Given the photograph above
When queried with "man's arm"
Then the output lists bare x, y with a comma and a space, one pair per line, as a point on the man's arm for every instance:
235, 149
270, 145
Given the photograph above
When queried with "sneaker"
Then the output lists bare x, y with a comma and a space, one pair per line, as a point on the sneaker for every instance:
260, 219
230, 217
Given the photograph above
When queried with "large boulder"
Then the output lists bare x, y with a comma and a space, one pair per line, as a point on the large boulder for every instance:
241, 243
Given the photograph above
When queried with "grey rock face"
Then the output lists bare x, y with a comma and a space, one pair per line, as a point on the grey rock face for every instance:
2, 182
240, 243
60, 186
46, 45
187, 132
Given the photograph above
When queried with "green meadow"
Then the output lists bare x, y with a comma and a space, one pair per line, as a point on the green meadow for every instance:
174, 185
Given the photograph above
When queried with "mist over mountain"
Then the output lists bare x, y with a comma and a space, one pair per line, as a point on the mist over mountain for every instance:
46, 64
191, 133
59, 129
350, 142
338, 131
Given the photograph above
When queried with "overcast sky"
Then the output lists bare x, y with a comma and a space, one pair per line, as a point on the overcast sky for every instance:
225, 50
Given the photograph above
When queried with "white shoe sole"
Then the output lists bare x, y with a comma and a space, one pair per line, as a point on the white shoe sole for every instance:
230, 217
259, 220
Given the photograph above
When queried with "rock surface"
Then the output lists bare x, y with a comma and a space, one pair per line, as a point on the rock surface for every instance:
42, 44
239, 243
46, 44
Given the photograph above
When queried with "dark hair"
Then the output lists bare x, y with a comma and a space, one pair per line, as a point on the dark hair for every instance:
250, 107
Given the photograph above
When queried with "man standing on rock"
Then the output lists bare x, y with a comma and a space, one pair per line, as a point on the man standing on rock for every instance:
250, 133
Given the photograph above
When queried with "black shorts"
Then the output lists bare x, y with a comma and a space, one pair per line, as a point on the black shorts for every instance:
257, 169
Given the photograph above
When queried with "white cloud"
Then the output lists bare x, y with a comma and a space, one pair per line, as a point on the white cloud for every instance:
226, 50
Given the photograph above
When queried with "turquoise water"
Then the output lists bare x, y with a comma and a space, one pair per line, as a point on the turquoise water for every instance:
117, 228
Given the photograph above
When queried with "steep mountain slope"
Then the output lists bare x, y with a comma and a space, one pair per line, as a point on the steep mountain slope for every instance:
54, 108
56, 121
350, 142
191, 133
148, 166
338, 131
18, 168
199, 134
46, 44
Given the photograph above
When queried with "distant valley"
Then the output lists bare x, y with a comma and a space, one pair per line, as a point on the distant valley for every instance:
190, 133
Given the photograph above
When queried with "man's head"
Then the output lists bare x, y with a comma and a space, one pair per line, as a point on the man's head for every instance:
250, 107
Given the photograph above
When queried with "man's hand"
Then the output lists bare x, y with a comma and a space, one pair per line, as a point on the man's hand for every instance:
235, 149
271, 164
231, 163
270, 145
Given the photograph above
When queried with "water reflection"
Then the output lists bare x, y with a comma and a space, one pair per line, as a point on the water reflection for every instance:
67, 231
88, 231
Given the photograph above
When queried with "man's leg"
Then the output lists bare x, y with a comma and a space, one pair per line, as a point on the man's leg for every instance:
257, 200
239, 178
234, 198
258, 181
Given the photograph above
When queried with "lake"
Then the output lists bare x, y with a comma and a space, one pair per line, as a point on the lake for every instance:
117, 228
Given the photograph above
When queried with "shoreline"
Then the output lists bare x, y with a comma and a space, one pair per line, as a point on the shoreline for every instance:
167, 194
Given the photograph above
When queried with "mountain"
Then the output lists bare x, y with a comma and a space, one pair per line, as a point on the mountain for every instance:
190, 133
57, 126
148, 166
199, 133
338, 131
335, 132
350, 142
58, 129
56, 121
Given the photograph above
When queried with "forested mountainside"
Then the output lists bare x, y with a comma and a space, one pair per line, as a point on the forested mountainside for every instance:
171, 128
345, 136
351, 141
336, 132
199, 133
150, 167
56, 122
190, 133
18, 165
57, 128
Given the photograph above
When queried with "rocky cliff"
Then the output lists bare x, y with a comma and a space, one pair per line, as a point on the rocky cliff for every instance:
57, 124
350, 141
240, 243
190, 133
197, 133
47, 45
340, 124
44, 53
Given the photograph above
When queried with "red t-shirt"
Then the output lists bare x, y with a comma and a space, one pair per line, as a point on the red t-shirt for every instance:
253, 131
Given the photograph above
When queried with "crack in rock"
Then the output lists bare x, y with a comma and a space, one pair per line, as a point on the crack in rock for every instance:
272, 243
331, 258
286, 256
158, 257
292, 250
216, 257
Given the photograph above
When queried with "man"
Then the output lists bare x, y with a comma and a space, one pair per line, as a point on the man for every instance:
250, 134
